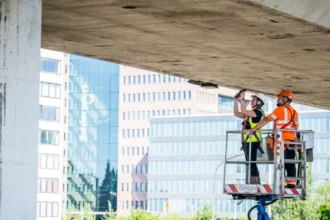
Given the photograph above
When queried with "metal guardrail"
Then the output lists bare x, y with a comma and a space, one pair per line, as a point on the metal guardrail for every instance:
277, 159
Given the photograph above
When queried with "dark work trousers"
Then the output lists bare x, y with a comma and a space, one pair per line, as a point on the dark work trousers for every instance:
254, 148
290, 167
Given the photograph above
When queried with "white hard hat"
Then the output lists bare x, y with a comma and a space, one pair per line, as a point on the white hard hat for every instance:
261, 96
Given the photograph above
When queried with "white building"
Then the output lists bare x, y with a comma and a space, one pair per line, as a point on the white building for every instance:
53, 130
144, 94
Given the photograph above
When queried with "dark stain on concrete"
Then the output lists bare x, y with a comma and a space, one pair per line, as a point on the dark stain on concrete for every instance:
130, 7
273, 21
169, 61
2, 119
281, 36
309, 50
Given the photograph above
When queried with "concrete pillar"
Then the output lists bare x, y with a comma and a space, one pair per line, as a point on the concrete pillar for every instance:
20, 39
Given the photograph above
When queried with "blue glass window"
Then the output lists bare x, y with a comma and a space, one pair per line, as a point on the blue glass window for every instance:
49, 66
124, 80
189, 95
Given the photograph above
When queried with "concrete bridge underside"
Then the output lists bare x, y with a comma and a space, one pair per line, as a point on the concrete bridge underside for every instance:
234, 43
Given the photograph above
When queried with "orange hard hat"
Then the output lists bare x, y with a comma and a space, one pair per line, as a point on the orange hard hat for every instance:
286, 93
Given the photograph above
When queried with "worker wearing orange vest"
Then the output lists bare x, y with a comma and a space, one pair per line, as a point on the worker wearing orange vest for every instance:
252, 118
286, 119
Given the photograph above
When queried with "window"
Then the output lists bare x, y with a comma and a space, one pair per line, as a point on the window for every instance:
128, 115
158, 95
123, 151
144, 79
169, 78
122, 169
50, 90
179, 112
153, 96
49, 65
64, 119
46, 185
66, 86
154, 78
184, 95
149, 79
173, 95
164, 96
129, 79
169, 96
49, 137
134, 79
164, 78
189, 95
142, 151
124, 80
133, 96
143, 97
133, 151
122, 187
123, 115
137, 151
49, 209
184, 111
163, 112
127, 150
48, 161
123, 134
189, 111
159, 78
179, 95
139, 79
139, 97
124, 98
49, 113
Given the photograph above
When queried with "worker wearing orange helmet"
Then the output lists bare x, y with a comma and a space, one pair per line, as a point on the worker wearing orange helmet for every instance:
285, 118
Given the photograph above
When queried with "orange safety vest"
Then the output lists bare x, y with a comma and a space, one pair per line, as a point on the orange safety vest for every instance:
287, 122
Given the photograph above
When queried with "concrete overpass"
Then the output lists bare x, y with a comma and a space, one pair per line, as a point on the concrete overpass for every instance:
235, 43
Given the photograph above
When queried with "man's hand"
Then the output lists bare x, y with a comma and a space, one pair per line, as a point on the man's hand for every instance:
252, 130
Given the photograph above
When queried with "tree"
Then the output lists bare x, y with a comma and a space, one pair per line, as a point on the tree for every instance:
108, 189
111, 215
204, 214
324, 211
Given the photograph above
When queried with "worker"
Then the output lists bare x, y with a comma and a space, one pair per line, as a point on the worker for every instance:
285, 118
251, 119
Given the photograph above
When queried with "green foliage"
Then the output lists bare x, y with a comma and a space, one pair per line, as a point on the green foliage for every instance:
111, 215
204, 214
242, 217
324, 211
225, 218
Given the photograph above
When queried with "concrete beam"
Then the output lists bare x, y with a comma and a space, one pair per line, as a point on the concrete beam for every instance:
20, 38
234, 43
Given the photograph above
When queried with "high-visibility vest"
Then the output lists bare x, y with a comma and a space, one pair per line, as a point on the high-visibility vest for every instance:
254, 138
288, 123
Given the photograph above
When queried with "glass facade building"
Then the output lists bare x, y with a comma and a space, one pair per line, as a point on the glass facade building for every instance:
93, 134
185, 151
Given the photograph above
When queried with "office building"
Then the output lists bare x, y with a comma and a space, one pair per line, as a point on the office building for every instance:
93, 135
145, 94
53, 130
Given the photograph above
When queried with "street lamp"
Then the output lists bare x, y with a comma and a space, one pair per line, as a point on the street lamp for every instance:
215, 173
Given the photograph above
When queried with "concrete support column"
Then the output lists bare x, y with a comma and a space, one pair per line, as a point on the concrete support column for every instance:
20, 39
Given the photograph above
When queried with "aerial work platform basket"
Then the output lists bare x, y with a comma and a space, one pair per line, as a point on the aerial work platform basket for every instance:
274, 187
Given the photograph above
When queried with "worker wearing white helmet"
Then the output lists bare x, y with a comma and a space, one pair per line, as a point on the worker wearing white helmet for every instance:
251, 120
